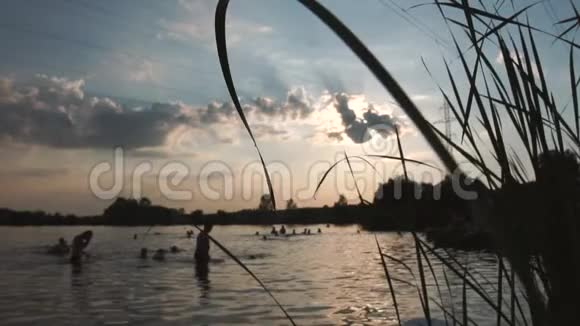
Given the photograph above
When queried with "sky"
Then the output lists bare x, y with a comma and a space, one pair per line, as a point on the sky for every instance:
124, 97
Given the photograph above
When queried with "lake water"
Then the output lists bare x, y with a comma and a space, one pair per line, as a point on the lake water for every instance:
327, 279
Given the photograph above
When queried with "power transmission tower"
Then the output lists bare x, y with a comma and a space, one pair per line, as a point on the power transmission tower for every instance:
447, 120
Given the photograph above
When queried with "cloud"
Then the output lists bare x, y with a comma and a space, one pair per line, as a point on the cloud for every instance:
264, 130
199, 27
422, 97
335, 136
216, 112
143, 72
195, 5
35, 172
55, 112
359, 130
159, 154
297, 105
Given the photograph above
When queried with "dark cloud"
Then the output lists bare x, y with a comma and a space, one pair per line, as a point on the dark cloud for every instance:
335, 136
264, 130
159, 154
55, 112
266, 106
297, 105
217, 112
359, 130
35, 172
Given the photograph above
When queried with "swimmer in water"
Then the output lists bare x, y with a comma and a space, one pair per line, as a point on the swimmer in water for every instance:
282, 230
202, 245
61, 248
159, 254
319, 230
274, 232
143, 253
174, 249
201, 255
293, 231
80, 242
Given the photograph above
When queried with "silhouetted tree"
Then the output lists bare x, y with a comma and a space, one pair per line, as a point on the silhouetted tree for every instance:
146, 202
342, 201
266, 203
131, 212
290, 204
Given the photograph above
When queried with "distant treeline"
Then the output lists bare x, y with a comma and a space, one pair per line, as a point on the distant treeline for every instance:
398, 205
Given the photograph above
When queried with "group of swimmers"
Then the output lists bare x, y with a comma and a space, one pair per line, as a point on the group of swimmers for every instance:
76, 248
81, 241
159, 253
201, 249
282, 232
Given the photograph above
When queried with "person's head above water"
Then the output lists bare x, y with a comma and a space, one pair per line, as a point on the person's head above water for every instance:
82, 240
207, 227
62, 241
159, 254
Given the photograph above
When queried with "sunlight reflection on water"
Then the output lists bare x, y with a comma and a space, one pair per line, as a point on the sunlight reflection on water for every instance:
332, 278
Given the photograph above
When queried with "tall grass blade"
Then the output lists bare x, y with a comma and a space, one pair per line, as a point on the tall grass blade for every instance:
474, 11
432, 270
514, 300
499, 289
574, 92
384, 77
477, 163
338, 162
422, 279
450, 314
243, 266
408, 160
400, 262
452, 302
469, 283
389, 281
464, 297
220, 35
360, 197
509, 20
401, 154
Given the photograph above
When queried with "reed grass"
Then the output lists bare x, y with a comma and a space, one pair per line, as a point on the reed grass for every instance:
537, 246
245, 268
